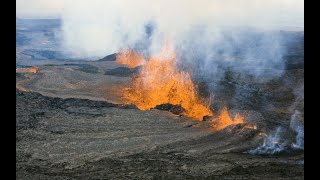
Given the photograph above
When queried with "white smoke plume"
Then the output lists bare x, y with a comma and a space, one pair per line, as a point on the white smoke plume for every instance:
297, 125
276, 142
272, 144
297, 121
101, 27
206, 33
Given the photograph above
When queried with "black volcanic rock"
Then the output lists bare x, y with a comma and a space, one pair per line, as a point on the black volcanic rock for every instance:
175, 109
120, 72
207, 118
123, 71
43, 54
88, 68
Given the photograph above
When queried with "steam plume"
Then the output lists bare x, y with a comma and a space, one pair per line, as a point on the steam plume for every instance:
206, 33
276, 142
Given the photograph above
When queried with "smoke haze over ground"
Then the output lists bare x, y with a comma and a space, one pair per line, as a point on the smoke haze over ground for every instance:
211, 37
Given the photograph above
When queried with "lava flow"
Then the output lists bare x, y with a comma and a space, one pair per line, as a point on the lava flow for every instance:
160, 82
130, 58
224, 119
32, 70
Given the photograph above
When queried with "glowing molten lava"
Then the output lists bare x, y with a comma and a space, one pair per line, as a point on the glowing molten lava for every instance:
224, 119
33, 70
130, 58
159, 82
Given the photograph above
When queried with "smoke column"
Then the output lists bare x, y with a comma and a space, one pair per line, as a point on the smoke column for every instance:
206, 33
297, 125
276, 142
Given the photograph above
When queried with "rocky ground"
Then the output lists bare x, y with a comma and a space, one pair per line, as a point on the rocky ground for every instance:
71, 124
84, 139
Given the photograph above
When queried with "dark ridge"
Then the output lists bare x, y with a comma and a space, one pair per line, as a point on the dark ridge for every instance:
85, 68
120, 72
123, 71
31, 106
88, 68
111, 57
43, 54
60, 103
23, 66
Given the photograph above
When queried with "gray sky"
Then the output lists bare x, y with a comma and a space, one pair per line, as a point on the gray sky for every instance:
40, 8
99, 27
56, 8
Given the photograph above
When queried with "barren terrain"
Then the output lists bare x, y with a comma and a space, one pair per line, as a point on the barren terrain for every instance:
72, 122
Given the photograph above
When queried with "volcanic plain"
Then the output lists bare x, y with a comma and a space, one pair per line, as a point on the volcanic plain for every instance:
72, 121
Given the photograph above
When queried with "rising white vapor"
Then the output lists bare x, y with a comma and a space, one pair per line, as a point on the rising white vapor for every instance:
199, 28
99, 27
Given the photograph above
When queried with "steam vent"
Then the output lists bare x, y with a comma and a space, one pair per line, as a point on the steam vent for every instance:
160, 90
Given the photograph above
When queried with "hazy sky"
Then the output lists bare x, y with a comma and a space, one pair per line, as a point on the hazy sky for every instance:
97, 27
55, 8
271, 12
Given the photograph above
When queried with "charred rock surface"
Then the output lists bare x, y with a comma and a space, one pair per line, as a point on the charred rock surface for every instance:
123, 71
175, 109
83, 139
120, 72
85, 68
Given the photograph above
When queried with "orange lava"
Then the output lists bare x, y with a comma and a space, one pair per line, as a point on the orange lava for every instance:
130, 58
224, 119
33, 70
159, 82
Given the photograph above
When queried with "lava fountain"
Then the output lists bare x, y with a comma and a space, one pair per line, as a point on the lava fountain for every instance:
224, 119
160, 82
130, 58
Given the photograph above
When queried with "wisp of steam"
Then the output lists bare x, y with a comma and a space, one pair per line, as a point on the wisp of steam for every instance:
272, 144
297, 125
276, 142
